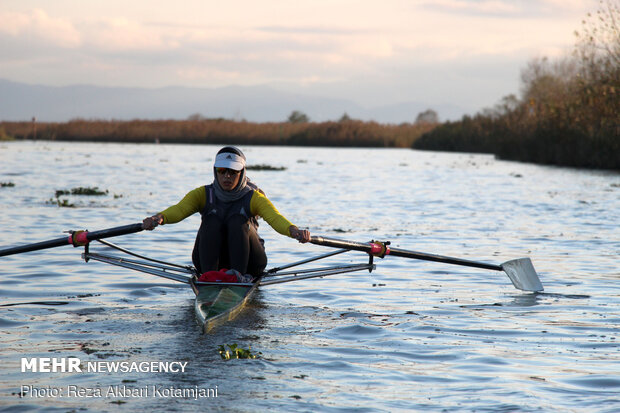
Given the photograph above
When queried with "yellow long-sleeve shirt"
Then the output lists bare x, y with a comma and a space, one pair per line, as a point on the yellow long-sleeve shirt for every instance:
196, 199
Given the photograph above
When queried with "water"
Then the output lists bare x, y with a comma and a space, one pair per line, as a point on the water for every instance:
412, 335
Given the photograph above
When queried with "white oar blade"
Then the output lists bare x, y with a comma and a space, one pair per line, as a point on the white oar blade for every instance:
522, 274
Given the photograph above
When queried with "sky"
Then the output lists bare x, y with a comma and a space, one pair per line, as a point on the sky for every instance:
374, 52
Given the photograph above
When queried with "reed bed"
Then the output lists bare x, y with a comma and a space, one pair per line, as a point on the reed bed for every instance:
345, 133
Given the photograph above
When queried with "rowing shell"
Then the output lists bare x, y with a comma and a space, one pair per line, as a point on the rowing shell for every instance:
217, 302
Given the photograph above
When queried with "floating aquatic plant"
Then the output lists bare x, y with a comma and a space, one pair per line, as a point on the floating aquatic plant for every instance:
88, 191
235, 352
6, 184
63, 203
78, 191
264, 167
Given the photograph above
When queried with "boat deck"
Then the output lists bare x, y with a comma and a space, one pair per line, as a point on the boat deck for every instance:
217, 303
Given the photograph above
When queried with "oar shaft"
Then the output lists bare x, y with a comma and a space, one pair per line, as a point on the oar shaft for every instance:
114, 232
81, 238
375, 248
36, 246
440, 258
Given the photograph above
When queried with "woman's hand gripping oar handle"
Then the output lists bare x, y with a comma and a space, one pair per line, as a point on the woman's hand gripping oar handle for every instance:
521, 272
76, 238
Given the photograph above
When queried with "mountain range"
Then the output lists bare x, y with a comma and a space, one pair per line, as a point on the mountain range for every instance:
21, 101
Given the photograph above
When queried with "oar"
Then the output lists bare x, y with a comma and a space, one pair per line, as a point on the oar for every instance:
77, 238
520, 271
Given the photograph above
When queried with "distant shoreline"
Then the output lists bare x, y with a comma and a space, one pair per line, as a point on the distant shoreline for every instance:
343, 134
347, 133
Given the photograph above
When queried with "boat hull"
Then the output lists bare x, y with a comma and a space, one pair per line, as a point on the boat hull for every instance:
217, 303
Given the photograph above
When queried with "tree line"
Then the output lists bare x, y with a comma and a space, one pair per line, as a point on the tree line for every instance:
568, 112
298, 130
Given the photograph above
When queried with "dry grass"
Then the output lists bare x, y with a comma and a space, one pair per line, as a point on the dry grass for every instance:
221, 131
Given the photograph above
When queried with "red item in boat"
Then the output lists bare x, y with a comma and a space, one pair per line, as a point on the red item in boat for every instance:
218, 276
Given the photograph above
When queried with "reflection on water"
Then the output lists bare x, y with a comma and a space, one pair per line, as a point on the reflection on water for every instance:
36, 303
412, 335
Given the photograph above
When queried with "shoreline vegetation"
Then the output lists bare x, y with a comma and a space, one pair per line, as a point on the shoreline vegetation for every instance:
197, 130
568, 114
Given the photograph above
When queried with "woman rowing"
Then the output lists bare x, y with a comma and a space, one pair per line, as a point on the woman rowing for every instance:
227, 237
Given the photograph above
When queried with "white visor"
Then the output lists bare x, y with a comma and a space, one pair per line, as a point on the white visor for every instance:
230, 161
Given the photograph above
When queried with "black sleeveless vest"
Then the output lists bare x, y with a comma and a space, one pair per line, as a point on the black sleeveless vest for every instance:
224, 210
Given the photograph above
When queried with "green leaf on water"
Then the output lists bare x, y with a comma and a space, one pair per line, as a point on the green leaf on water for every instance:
80, 190
264, 167
62, 203
235, 352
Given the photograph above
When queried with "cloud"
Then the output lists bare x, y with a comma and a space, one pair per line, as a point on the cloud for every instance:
37, 26
316, 30
484, 7
124, 34
506, 8
386, 51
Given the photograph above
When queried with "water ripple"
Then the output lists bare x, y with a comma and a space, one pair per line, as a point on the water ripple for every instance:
410, 336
